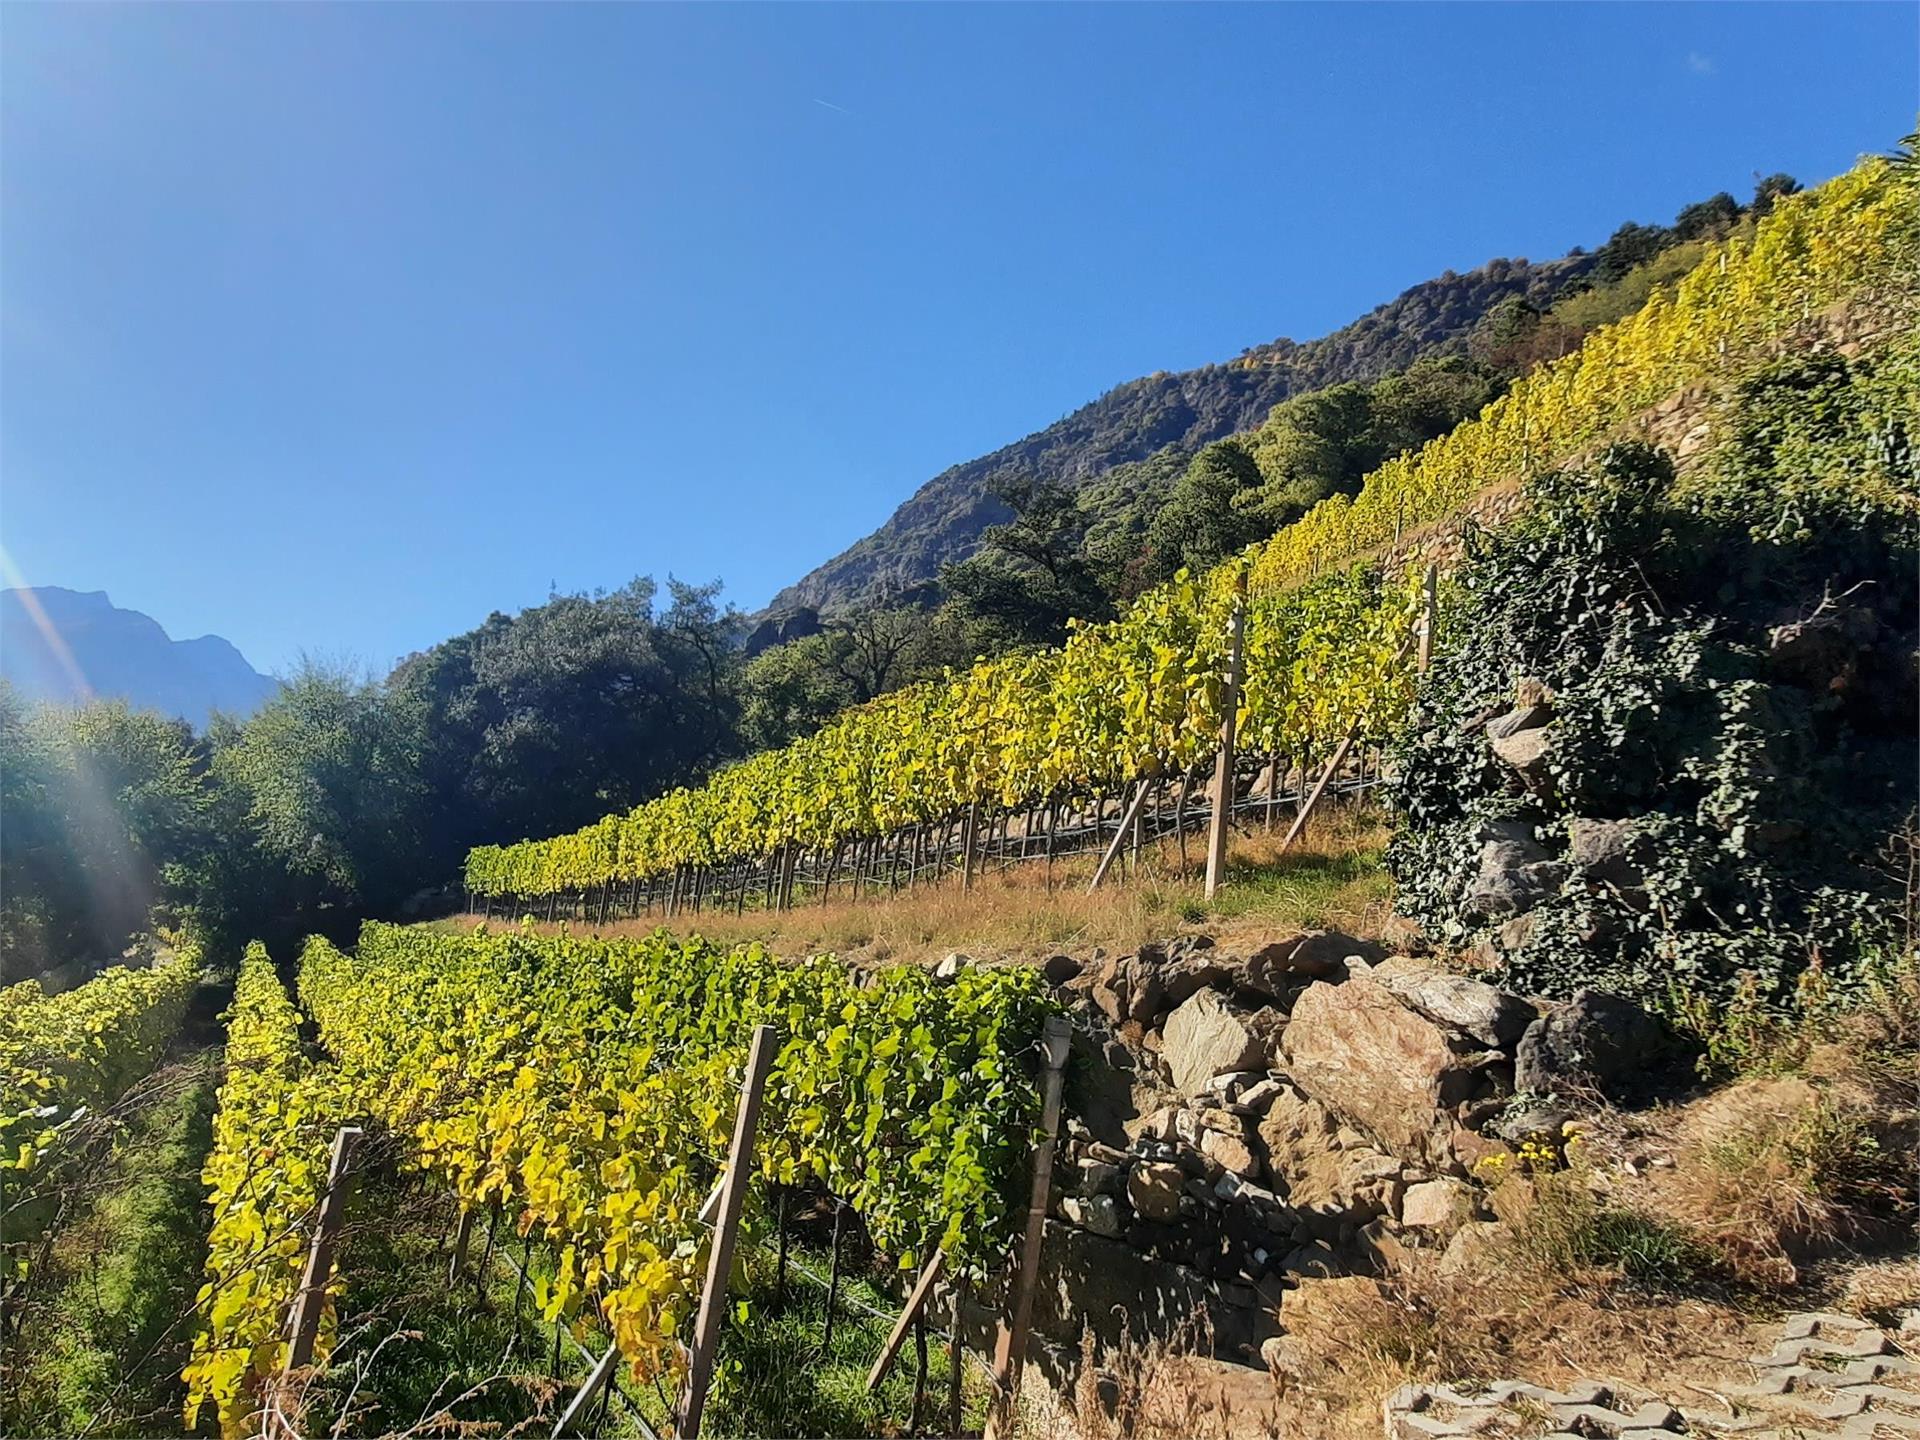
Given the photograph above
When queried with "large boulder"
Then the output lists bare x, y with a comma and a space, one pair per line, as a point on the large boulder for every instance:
1528, 753
1276, 971
1596, 1043
1491, 1016
1295, 1132
1384, 1067
1154, 1189
1516, 872
1606, 851
1206, 1037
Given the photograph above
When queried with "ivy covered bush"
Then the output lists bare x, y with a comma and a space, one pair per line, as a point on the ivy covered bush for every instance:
1670, 736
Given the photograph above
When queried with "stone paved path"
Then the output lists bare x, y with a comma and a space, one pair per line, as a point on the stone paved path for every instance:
1825, 1375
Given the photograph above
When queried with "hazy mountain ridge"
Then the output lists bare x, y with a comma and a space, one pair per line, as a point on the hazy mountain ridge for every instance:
943, 520
121, 654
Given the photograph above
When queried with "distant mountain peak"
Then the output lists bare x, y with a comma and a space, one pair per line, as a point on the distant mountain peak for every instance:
68, 646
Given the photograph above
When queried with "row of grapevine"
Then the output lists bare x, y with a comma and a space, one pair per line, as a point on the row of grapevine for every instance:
60, 1054
586, 1090
265, 1174
1140, 696
1856, 237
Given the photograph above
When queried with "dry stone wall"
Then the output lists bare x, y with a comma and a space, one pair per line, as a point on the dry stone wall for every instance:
1302, 1110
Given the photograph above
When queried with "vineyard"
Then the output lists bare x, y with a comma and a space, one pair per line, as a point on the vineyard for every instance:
84, 1085
584, 1090
616, 1111
1042, 741
64, 1054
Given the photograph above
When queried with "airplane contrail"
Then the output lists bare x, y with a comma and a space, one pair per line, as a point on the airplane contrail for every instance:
831, 106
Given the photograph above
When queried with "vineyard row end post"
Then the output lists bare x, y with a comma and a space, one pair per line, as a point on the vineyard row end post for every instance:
1428, 608
733, 1199
303, 1322
1010, 1344
1223, 766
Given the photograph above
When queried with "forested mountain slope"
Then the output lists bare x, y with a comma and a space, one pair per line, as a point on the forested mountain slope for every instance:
944, 519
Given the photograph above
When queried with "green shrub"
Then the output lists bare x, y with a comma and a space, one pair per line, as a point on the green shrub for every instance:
1760, 780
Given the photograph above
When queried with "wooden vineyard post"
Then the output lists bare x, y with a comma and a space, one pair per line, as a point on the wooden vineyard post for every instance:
1428, 606
1010, 1345
310, 1300
1119, 838
1306, 809
956, 1363
1223, 767
733, 1199
966, 845
577, 1407
461, 1235
917, 1299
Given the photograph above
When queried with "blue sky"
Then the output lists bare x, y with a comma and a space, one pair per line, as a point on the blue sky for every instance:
333, 328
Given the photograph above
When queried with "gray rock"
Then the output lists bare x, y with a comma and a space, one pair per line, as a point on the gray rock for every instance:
1596, 1042
1527, 754
1154, 1190
1097, 1213
1492, 1017
1097, 1177
1205, 1038
1059, 969
1520, 718
1509, 880
1603, 850
950, 967
1279, 969
1186, 977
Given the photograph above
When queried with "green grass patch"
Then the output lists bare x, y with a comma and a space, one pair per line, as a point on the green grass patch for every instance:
1311, 890
104, 1335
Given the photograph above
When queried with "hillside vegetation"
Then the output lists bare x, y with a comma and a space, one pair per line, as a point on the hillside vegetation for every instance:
1623, 1035
1140, 697
1119, 455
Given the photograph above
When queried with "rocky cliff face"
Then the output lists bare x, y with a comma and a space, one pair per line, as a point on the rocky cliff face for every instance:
943, 520
68, 646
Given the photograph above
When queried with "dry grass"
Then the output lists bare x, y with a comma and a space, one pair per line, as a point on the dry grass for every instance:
1659, 1258
1332, 877
1360, 1339
1157, 1388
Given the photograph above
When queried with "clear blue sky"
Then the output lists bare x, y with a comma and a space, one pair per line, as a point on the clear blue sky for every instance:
333, 328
